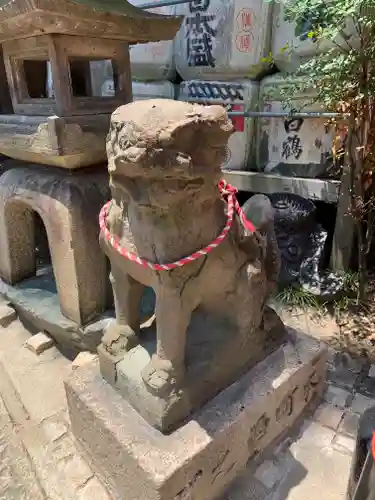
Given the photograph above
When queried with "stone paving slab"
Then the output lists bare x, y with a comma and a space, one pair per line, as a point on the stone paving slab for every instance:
35, 410
17, 479
315, 463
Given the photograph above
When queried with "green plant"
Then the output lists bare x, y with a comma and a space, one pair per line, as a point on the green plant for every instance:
297, 297
342, 74
349, 294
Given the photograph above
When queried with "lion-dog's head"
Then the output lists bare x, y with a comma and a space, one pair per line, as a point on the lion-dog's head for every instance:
160, 151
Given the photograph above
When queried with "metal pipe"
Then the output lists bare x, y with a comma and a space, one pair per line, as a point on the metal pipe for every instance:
271, 114
285, 114
161, 3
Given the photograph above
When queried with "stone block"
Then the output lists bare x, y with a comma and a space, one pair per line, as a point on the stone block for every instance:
312, 435
83, 359
329, 416
54, 430
93, 490
361, 403
7, 315
342, 378
349, 424
69, 206
201, 458
269, 473
366, 386
337, 397
344, 444
76, 470
39, 343
209, 346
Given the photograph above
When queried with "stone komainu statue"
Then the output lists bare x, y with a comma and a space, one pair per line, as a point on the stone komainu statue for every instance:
164, 162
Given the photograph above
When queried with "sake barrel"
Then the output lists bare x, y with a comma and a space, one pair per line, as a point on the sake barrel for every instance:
153, 90
286, 146
241, 95
153, 61
223, 39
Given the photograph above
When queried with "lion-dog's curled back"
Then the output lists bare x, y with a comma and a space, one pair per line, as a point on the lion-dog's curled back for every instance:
164, 162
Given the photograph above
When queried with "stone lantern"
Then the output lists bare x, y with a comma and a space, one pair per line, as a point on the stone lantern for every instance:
51, 49
51, 53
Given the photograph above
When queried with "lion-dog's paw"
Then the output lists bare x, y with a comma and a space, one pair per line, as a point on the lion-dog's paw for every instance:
160, 375
119, 338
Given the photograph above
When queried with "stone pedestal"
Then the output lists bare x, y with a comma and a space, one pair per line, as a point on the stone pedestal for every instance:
214, 361
68, 205
201, 458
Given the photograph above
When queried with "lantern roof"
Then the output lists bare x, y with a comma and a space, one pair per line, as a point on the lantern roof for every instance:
115, 19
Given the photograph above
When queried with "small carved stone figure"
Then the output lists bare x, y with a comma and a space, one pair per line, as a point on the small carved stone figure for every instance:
164, 162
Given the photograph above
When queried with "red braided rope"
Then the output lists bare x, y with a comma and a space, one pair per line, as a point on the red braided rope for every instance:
228, 193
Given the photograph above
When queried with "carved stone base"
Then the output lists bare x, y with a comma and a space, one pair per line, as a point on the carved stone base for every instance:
215, 358
201, 458
69, 143
68, 205
37, 303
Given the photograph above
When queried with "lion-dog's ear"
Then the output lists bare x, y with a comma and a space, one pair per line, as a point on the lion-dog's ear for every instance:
179, 134
205, 126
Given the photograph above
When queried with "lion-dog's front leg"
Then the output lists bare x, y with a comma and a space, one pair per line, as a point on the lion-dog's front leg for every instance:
122, 334
167, 367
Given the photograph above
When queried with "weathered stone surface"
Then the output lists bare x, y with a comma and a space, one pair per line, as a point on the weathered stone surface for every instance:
316, 469
54, 429
39, 343
32, 389
164, 160
307, 468
7, 315
201, 458
337, 397
83, 359
361, 403
345, 379
328, 415
37, 302
208, 371
366, 386
92, 490
68, 206
17, 479
344, 444
85, 17
349, 424
269, 474
34, 378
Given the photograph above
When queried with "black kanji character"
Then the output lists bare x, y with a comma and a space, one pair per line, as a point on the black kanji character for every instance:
198, 5
199, 40
293, 125
199, 51
292, 147
199, 24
